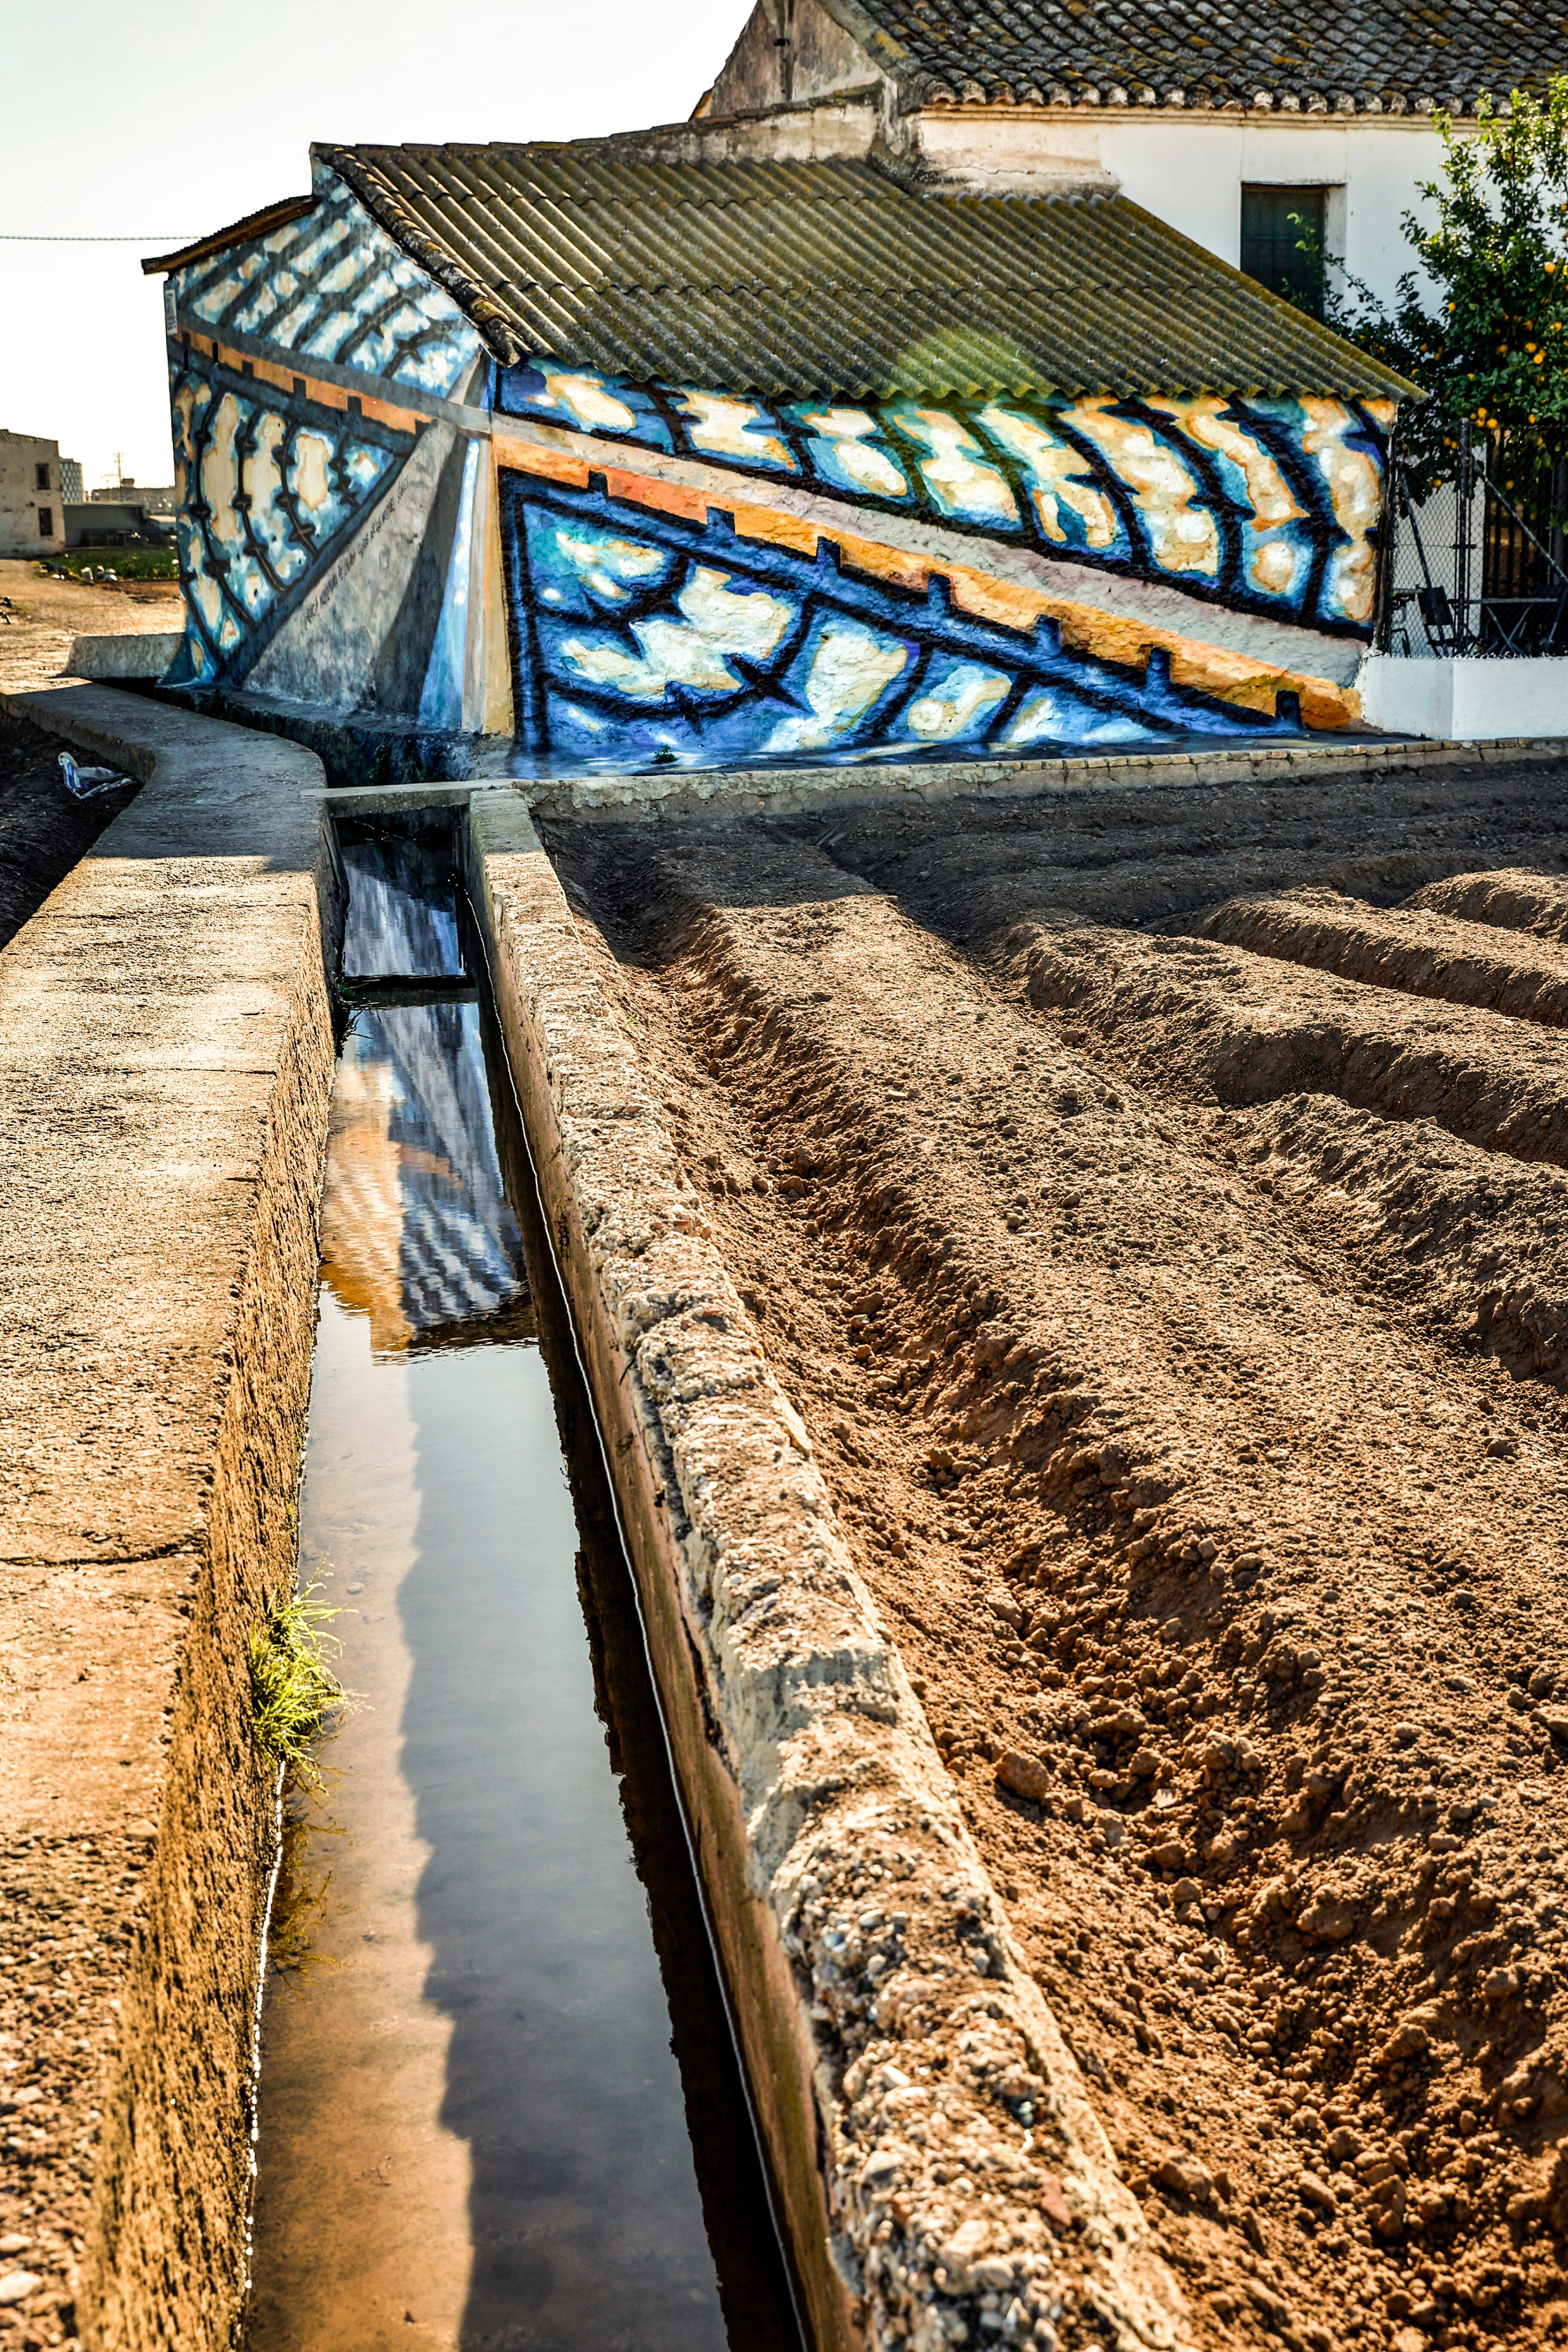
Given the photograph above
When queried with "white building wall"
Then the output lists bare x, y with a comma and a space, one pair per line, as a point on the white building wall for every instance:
25, 502
1466, 700
1189, 169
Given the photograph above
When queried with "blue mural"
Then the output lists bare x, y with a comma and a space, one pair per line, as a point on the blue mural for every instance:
340, 500
640, 638
332, 286
272, 484
1271, 505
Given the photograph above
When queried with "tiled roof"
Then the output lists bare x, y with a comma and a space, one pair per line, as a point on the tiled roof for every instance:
803, 278
1345, 55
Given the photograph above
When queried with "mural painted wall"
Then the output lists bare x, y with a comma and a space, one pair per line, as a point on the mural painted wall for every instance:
375, 519
333, 285
277, 474
1271, 505
642, 637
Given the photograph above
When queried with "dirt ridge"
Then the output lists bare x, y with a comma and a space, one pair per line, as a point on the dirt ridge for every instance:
1409, 949
1224, 1025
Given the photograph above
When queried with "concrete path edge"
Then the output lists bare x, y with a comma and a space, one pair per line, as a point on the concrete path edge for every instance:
166, 1057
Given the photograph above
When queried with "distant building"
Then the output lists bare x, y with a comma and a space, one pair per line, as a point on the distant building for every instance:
121, 518
32, 500
128, 491
71, 489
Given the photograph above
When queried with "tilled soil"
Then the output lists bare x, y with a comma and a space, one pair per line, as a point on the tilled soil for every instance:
1182, 1327
43, 830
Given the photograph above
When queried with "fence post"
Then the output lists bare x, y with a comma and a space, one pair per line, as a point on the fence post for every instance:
1464, 492
1383, 618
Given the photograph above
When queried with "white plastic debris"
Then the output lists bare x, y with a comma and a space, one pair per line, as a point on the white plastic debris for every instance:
84, 783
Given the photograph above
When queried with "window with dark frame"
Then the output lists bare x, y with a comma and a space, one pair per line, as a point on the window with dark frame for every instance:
1282, 242
41, 479
46, 522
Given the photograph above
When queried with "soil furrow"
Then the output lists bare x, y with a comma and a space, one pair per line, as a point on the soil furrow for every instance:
1161, 857
1234, 1596
1409, 949
1476, 1248
1513, 900
1213, 1024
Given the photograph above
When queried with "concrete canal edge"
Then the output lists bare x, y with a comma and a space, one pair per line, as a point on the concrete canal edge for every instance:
166, 1040
870, 1965
683, 793
165, 1067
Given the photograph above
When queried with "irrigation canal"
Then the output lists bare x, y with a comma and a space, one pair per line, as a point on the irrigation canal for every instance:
500, 2104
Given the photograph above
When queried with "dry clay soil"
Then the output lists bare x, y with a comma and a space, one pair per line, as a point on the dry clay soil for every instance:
1157, 1206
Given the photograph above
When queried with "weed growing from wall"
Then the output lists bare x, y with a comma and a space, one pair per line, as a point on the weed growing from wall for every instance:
293, 1690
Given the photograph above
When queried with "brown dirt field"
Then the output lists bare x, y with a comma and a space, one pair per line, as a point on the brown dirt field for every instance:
83, 609
47, 613
1183, 1339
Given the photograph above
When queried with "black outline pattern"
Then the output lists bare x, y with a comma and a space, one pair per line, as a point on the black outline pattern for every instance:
1101, 689
342, 430
1228, 586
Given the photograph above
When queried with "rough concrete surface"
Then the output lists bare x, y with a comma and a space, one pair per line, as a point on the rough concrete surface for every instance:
165, 1060
901, 2054
1176, 1330
123, 652
681, 793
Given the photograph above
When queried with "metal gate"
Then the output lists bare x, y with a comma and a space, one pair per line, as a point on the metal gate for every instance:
1472, 569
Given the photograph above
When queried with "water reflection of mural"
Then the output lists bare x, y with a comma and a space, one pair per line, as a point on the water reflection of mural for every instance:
640, 634
415, 1229
401, 918
1270, 504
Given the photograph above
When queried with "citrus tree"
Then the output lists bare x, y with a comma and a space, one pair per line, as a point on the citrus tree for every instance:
1482, 326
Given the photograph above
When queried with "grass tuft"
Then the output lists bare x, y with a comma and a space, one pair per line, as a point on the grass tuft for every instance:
293, 1690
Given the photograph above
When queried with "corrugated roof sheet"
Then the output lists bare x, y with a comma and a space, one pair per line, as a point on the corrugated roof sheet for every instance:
807, 278
1348, 54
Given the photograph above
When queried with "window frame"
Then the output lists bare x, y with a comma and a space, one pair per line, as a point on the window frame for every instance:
1284, 197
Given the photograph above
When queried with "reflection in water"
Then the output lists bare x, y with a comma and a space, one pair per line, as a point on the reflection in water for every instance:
416, 1231
475, 2127
402, 911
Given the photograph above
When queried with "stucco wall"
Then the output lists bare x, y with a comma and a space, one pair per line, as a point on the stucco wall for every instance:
788, 51
1467, 701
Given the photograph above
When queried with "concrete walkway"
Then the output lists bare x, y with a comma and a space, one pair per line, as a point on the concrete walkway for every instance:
166, 1062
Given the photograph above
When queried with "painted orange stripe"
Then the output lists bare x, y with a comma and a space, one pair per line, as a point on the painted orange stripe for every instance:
325, 396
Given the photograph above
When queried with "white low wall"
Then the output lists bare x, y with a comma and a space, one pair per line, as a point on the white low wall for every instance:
128, 652
1465, 701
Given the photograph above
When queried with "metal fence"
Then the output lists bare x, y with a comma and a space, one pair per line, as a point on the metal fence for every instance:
1475, 567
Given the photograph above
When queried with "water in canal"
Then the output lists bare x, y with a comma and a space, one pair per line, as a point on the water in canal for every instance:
500, 2104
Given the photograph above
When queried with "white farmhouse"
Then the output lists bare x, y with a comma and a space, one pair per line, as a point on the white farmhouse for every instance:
32, 503
1228, 119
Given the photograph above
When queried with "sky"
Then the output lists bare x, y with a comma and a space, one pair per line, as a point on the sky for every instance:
156, 124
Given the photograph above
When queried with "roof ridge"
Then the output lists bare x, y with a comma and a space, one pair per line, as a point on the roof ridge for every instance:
1384, 58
